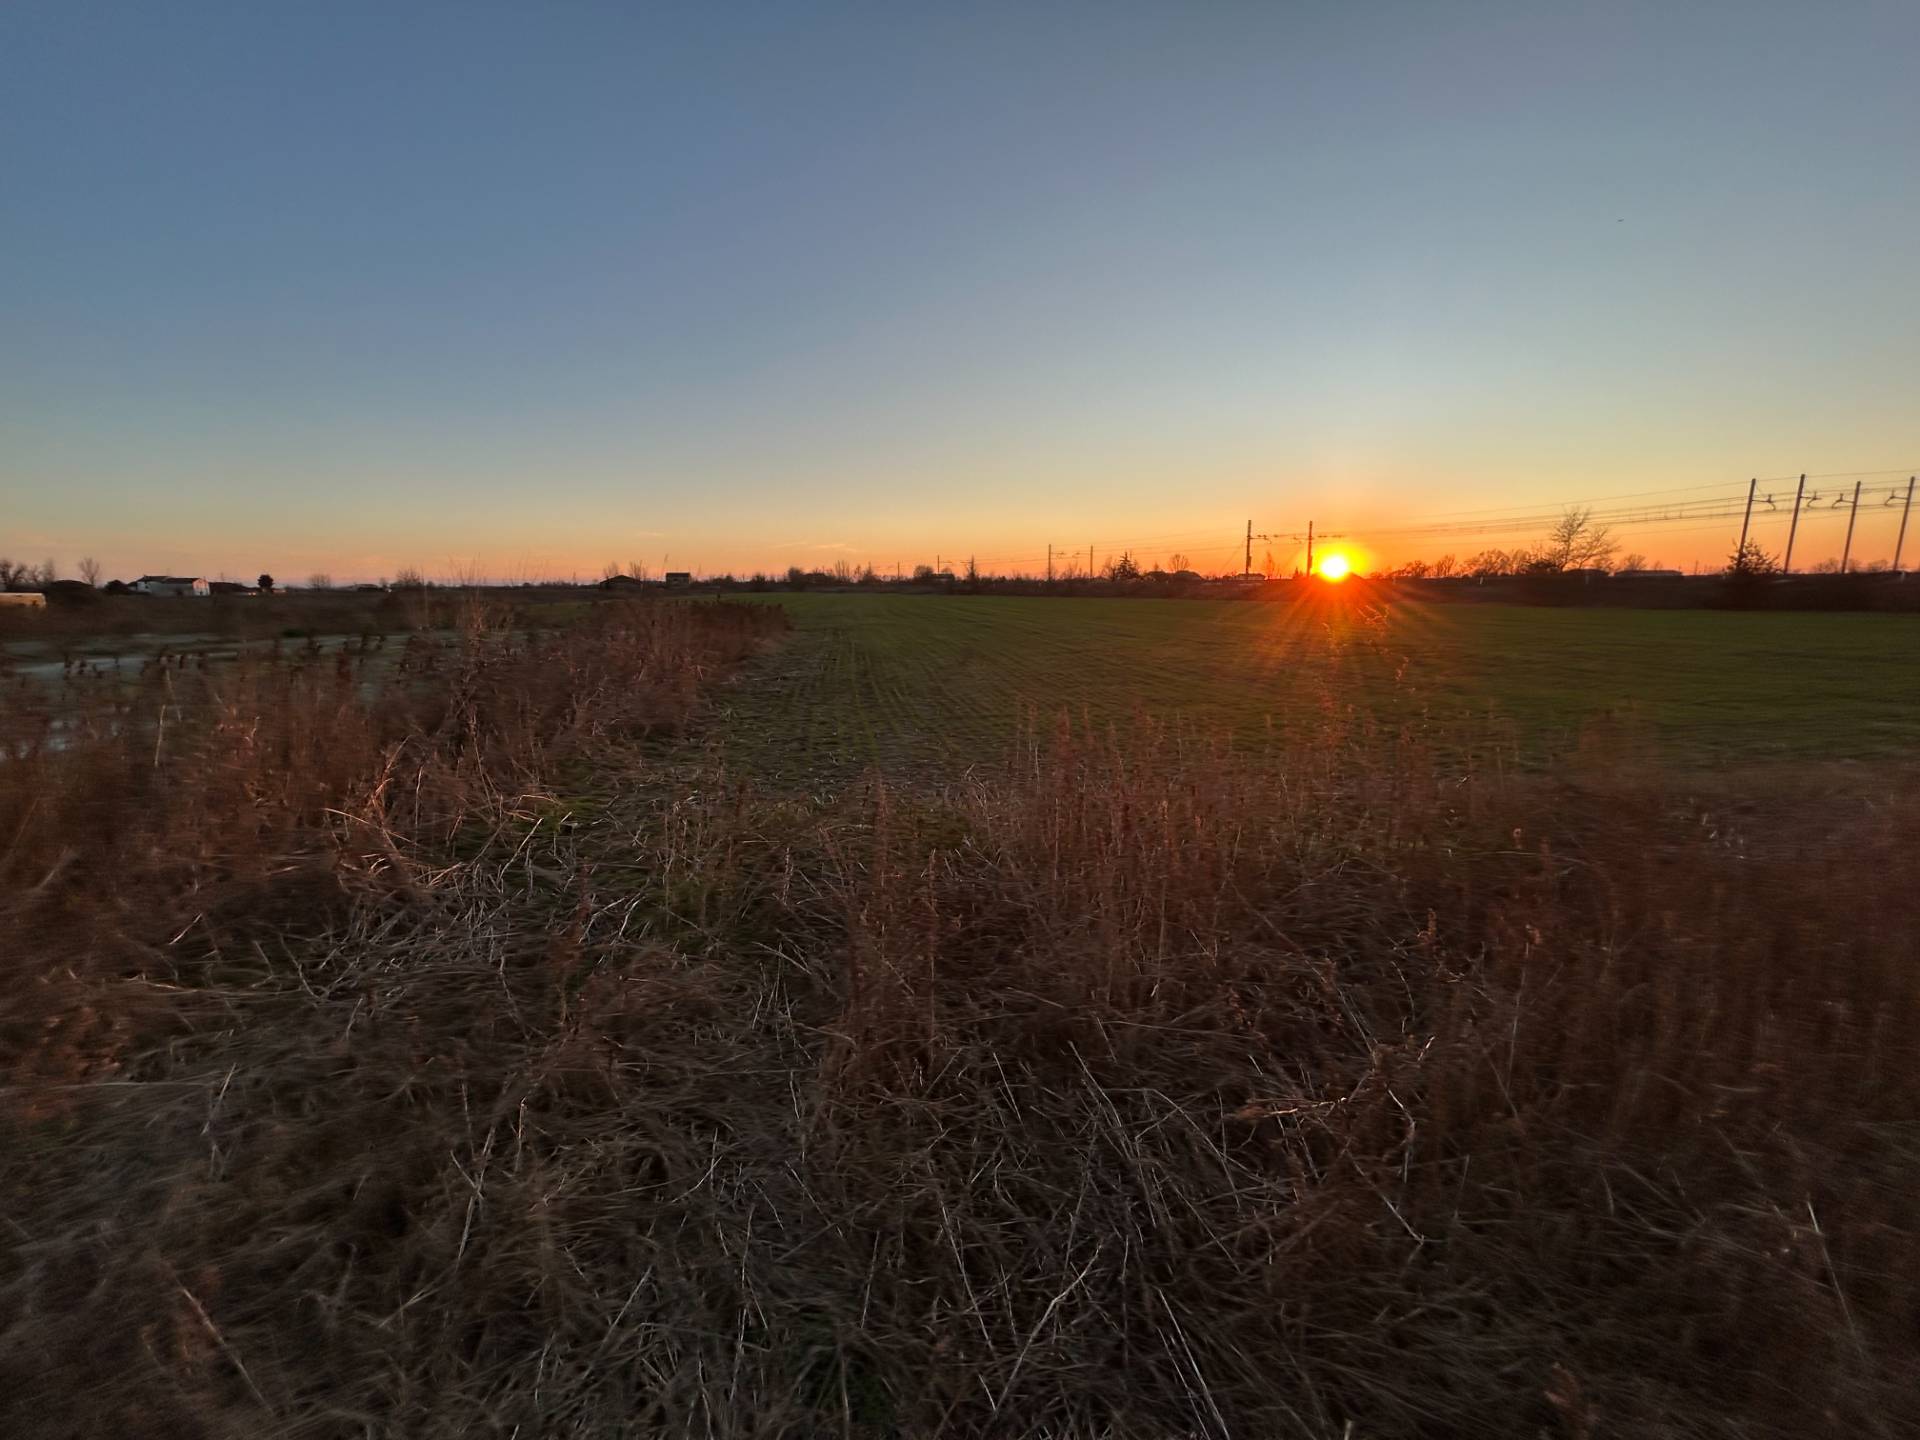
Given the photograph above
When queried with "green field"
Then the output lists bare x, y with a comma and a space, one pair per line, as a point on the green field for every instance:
935, 680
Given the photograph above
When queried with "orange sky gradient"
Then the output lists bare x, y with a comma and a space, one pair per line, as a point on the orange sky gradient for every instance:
511, 294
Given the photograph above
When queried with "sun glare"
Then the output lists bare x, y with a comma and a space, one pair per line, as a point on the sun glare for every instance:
1334, 567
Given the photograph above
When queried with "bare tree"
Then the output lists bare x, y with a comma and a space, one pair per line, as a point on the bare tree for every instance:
90, 571
319, 580
1576, 542
1495, 561
1178, 561
1443, 567
1634, 561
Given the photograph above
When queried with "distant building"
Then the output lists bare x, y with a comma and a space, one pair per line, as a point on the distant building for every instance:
621, 582
25, 599
1649, 574
231, 587
679, 579
169, 585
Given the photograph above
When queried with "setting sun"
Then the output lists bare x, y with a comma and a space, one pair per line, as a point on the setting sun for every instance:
1334, 567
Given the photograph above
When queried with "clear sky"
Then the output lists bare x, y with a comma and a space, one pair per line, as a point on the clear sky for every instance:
525, 288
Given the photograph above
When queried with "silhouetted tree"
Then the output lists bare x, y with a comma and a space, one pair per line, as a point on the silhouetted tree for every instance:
265, 582
1495, 561
1575, 543
1750, 562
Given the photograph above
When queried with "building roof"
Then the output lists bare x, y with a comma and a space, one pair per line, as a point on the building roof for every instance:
168, 580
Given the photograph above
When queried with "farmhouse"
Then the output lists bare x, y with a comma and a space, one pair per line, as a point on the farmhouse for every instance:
169, 585
679, 579
620, 582
232, 587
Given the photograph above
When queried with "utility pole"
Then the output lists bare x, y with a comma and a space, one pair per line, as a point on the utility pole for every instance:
1752, 485
1846, 551
1900, 543
1247, 568
1049, 562
1089, 562
1793, 528
1309, 547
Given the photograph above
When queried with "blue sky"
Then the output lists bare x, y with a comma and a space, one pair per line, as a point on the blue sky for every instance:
531, 287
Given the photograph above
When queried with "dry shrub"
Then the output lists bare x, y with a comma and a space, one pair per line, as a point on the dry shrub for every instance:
161, 822
1141, 1086
1206, 1092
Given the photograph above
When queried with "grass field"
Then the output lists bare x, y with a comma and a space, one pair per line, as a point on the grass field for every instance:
895, 679
448, 1047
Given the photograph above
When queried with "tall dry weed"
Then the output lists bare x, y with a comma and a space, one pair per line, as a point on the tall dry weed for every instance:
1143, 1085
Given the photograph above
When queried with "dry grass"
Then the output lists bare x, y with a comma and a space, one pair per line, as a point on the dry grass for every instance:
1133, 1087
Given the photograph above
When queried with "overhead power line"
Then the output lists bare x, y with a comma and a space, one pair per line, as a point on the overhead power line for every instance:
1675, 510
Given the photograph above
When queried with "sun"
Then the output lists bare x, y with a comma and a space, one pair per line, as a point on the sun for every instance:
1335, 568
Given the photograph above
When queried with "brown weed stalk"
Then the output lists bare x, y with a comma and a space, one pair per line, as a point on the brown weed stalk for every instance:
1143, 1085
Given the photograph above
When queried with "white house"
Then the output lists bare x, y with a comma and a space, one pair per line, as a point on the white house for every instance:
169, 585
